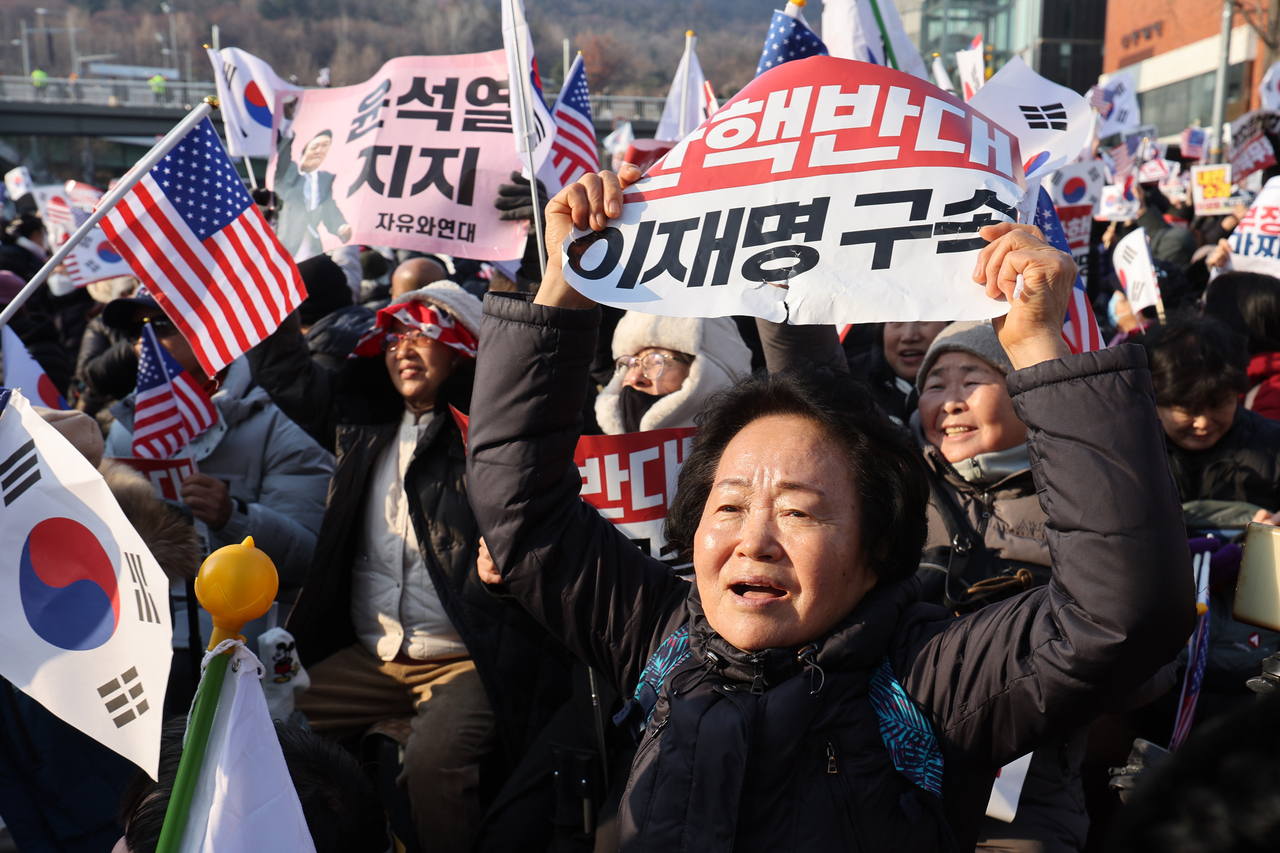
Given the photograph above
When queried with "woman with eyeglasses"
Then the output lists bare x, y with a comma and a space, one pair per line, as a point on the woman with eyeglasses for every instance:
393, 623
665, 368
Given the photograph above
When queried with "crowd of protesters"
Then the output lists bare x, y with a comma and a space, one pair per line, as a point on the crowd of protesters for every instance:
906, 553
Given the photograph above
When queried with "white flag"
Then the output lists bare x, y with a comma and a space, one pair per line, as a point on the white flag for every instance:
244, 800
17, 182
521, 64
1050, 121
23, 373
687, 93
971, 67
850, 31
1122, 92
941, 77
84, 611
249, 92
1136, 271
1269, 89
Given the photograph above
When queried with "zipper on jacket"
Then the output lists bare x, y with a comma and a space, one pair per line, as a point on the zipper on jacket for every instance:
757, 673
842, 792
988, 501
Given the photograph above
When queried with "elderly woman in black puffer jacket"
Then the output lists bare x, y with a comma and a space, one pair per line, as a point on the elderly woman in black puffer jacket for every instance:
798, 695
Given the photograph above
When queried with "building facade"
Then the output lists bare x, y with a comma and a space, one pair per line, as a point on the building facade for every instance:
1171, 48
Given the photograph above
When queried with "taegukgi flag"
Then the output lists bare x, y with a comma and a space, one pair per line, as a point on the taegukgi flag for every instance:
1136, 270
84, 614
687, 104
1051, 122
870, 31
23, 373
826, 191
521, 63
249, 99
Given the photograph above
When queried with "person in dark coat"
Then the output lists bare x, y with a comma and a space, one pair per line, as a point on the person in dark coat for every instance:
1249, 304
23, 246
799, 695
392, 620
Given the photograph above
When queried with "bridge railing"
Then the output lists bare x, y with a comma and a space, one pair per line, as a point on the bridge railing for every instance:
138, 93
95, 91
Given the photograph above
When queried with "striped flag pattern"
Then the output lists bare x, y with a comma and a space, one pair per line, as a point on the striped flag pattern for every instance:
193, 235
574, 152
170, 409
1199, 653
1080, 328
1100, 100
1193, 139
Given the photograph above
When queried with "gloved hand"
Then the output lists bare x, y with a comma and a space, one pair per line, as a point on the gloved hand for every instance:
514, 200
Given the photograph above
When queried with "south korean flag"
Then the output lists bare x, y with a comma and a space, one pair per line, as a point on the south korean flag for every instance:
1051, 122
84, 619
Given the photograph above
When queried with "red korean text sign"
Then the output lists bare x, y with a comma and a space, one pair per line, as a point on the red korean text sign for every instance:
410, 159
166, 475
826, 191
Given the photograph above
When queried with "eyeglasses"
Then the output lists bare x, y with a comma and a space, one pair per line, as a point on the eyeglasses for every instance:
162, 327
651, 364
417, 337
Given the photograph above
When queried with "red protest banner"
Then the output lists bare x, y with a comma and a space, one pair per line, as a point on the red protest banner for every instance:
166, 475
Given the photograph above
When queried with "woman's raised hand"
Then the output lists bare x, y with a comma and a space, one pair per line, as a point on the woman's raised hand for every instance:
1032, 330
589, 203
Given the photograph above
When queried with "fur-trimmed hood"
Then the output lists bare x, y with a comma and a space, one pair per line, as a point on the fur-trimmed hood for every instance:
720, 359
168, 534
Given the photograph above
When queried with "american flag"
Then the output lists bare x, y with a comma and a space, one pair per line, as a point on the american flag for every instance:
1100, 100
58, 212
170, 409
573, 152
1080, 328
193, 235
1198, 653
789, 38
1193, 140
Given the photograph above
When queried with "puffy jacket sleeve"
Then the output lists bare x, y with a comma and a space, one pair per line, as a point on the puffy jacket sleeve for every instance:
1121, 603
788, 346
574, 571
304, 390
285, 519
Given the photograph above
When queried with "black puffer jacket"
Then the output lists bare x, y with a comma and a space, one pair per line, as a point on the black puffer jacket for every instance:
1243, 466
721, 767
355, 413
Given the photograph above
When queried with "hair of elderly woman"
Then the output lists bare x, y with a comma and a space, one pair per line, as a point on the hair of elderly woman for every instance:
1196, 363
1249, 303
885, 465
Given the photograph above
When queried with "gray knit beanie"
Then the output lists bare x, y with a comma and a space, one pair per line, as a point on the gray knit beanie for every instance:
974, 337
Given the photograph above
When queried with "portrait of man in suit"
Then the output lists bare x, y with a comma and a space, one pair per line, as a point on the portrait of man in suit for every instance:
306, 198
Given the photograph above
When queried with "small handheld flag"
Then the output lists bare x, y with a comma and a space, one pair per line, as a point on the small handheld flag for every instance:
789, 38
170, 409
193, 235
573, 151
23, 372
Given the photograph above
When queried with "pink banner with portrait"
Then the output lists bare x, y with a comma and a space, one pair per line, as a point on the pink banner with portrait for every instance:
411, 159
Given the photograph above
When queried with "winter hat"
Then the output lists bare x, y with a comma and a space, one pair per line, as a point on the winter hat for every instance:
459, 328
11, 285
720, 359
327, 289
974, 337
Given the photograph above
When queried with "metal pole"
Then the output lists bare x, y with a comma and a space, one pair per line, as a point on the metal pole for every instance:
597, 712
173, 37
26, 53
109, 201
521, 40
253, 179
215, 38
564, 75
71, 34
689, 40
1220, 87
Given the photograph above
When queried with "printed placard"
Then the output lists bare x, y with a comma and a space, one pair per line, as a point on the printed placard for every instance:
1253, 242
826, 191
411, 159
1211, 189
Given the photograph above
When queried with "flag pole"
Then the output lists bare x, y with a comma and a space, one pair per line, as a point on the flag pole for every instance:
526, 108
684, 85
253, 179
163, 147
884, 37
246, 582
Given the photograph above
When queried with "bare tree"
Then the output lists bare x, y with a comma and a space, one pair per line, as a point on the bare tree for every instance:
1264, 19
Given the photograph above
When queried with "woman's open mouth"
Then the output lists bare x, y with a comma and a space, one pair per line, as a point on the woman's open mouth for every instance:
757, 591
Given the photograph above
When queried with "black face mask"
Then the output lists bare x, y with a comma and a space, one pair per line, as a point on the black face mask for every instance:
635, 405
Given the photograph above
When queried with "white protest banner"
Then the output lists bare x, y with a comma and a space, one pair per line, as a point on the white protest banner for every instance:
1253, 242
1211, 189
1122, 95
1269, 88
17, 182
412, 159
1175, 186
631, 478
1050, 121
250, 99
826, 191
1136, 271
1251, 150
166, 475
971, 68
84, 620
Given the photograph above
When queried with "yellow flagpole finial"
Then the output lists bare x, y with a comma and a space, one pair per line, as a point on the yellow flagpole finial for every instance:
689, 32
206, 47
236, 584
212, 100
799, 3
